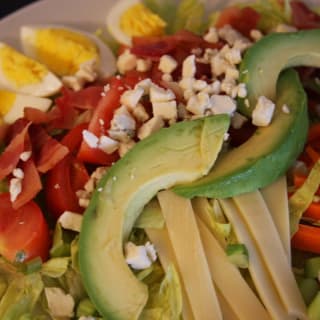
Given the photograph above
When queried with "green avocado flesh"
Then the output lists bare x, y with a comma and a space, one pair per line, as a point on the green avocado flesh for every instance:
266, 155
264, 61
182, 153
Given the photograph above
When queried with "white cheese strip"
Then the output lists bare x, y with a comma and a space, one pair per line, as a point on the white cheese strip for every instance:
259, 223
276, 198
257, 269
191, 259
227, 277
162, 244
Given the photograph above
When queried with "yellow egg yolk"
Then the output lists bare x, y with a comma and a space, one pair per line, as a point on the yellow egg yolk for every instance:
20, 69
138, 20
7, 99
63, 51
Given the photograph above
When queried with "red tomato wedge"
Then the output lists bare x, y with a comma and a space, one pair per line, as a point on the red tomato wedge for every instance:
100, 123
62, 182
22, 231
242, 19
31, 184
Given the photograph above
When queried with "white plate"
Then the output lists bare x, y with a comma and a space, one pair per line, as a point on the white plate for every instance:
84, 14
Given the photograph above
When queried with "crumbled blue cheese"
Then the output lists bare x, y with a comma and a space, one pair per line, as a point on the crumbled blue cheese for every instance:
151, 126
158, 94
126, 61
71, 221
165, 109
130, 98
222, 104
189, 67
15, 188
198, 104
263, 112
167, 64
140, 257
143, 65
212, 35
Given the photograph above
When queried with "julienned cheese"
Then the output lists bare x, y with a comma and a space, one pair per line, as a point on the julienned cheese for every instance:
161, 241
276, 198
260, 225
227, 277
191, 260
257, 268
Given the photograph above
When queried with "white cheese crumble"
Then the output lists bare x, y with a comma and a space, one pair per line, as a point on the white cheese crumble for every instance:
140, 257
158, 94
211, 36
165, 109
130, 98
71, 221
126, 61
151, 126
189, 67
167, 64
15, 188
263, 112
222, 104
143, 65
25, 156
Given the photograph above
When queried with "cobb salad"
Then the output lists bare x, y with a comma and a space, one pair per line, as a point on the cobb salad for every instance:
168, 170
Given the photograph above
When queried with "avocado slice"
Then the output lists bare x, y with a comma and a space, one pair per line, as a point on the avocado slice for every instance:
184, 152
263, 62
266, 155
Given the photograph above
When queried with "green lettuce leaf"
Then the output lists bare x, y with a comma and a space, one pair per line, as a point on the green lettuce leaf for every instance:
151, 216
165, 303
21, 296
302, 198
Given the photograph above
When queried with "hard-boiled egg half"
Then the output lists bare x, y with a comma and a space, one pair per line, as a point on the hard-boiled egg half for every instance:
12, 105
129, 18
66, 51
22, 74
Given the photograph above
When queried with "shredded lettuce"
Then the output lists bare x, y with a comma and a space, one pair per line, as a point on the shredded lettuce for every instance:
165, 301
302, 198
151, 216
188, 14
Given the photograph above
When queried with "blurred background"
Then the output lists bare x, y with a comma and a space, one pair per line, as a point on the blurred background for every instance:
8, 6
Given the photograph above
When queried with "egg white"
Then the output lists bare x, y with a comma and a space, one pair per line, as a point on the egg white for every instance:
47, 86
21, 101
106, 65
114, 17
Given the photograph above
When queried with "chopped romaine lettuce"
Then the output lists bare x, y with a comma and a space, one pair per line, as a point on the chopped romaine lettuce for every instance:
302, 198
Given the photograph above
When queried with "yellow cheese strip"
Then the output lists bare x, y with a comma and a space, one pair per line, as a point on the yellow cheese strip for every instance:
186, 242
227, 311
161, 241
227, 277
276, 198
258, 272
259, 223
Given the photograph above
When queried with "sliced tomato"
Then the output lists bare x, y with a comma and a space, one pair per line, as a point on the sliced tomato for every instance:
303, 17
47, 150
23, 231
31, 184
11, 155
72, 140
62, 182
100, 123
242, 19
